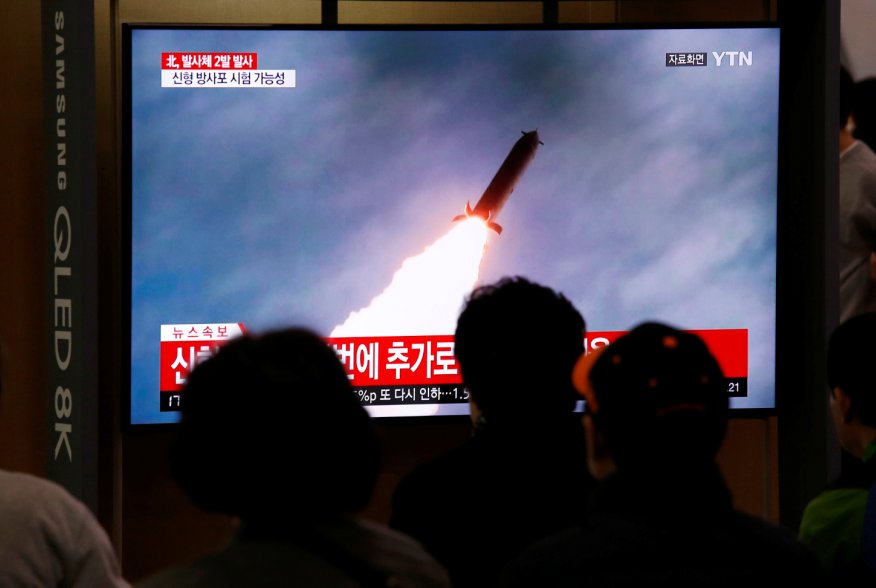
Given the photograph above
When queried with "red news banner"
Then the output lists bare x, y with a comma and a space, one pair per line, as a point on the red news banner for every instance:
182, 348
402, 370
181, 60
220, 70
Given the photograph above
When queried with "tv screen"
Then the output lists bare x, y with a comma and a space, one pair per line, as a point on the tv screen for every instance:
361, 181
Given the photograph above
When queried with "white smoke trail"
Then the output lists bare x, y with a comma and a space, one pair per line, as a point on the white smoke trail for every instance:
427, 292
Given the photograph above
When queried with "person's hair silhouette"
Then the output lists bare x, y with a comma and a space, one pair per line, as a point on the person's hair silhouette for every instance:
273, 434
523, 474
516, 342
271, 429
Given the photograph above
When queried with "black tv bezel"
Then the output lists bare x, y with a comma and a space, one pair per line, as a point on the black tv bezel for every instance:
127, 28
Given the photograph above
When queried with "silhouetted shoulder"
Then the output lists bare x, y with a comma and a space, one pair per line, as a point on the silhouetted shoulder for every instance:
343, 553
740, 550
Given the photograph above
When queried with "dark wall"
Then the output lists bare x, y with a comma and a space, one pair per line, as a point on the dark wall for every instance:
23, 249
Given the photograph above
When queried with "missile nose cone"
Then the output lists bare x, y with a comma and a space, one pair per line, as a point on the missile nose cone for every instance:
532, 137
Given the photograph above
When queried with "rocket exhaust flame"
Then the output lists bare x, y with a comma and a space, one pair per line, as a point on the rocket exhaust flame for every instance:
426, 293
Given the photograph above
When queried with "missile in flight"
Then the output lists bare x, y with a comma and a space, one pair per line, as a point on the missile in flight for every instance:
502, 184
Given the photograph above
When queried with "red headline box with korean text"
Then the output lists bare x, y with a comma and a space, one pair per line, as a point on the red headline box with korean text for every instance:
729, 346
184, 346
412, 360
397, 361
418, 360
180, 60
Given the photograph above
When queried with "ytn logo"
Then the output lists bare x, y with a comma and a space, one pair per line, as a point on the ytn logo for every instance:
733, 58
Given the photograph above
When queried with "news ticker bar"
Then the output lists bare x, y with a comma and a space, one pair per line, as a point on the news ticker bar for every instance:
415, 395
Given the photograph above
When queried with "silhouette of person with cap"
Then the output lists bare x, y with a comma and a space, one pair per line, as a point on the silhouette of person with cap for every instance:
273, 435
522, 475
655, 416
840, 523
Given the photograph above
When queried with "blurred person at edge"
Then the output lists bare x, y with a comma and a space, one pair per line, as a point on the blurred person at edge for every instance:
857, 212
840, 523
48, 538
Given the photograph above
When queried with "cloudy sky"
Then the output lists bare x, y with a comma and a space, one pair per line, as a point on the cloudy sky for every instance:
653, 196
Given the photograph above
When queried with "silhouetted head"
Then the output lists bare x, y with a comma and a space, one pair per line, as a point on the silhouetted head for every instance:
851, 349
846, 94
516, 342
864, 109
656, 395
272, 431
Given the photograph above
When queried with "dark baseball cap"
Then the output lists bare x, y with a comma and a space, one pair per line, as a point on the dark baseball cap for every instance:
655, 381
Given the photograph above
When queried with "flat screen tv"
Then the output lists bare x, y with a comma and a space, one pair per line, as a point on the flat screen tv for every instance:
361, 181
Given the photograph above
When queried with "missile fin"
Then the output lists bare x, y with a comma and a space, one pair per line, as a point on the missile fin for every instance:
468, 212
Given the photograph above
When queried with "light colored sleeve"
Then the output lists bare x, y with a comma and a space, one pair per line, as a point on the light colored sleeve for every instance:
50, 538
91, 559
